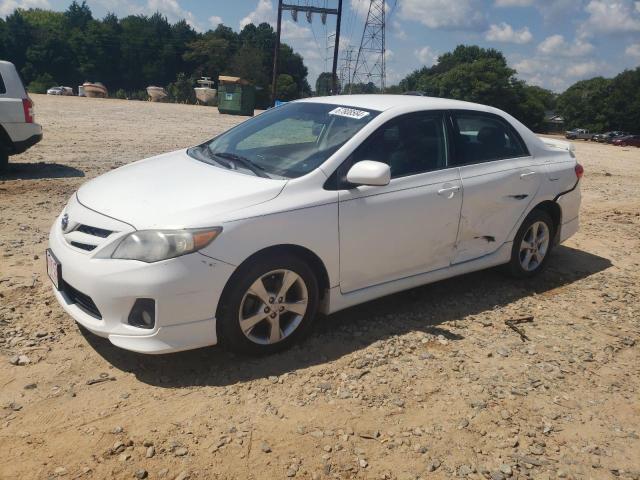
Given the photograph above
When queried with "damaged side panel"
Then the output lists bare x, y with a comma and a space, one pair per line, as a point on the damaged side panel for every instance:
495, 196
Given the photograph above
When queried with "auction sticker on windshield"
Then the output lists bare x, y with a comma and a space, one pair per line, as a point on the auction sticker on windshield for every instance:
349, 113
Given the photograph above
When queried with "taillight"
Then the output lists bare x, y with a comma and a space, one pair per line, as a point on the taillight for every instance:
579, 171
27, 106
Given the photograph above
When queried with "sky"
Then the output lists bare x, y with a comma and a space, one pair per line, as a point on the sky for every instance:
551, 43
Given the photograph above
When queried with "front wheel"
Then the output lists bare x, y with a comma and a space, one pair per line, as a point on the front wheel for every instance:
268, 306
532, 245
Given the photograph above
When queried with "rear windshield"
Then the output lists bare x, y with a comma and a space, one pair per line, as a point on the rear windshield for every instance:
285, 142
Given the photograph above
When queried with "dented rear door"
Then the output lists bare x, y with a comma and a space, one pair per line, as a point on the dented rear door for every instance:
496, 190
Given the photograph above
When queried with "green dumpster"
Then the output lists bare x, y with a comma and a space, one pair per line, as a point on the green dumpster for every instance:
235, 96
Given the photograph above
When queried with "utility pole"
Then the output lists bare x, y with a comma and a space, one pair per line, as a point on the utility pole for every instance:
370, 63
334, 77
276, 52
308, 9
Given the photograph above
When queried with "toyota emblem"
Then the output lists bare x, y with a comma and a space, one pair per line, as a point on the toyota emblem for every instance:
65, 222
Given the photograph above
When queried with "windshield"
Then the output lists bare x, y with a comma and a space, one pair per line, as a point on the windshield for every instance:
285, 142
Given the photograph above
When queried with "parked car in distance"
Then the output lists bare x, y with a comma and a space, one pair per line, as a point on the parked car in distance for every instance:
314, 206
60, 91
18, 130
627, 140
608, 137
578, 134
616, 134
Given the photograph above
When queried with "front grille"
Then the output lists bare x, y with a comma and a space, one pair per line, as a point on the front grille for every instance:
83, 301
83, 246
94, 231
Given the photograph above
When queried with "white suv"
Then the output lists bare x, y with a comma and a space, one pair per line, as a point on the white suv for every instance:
18, 130
310, 207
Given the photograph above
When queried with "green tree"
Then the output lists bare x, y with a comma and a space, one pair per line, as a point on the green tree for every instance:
480, 75
136, 51
324, 84
286, 88
585, 104
181, 90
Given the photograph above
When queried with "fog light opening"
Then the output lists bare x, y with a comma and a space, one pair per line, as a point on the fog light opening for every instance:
143, 313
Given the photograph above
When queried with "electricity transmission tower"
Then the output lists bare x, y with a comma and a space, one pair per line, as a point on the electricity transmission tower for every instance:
370, 62
347, 65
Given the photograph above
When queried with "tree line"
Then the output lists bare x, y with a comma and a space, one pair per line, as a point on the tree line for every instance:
475, 74
128, 54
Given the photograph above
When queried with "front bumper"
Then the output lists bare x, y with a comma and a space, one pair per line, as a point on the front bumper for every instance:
186, 291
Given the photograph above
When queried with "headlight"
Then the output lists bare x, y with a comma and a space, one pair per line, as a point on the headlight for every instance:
155, 245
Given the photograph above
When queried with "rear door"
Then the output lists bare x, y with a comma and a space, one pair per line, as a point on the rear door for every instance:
499, 180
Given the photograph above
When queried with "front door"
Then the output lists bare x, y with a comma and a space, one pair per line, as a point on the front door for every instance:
499, 178
410, 225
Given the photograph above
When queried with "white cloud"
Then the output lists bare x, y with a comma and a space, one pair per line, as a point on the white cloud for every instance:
8, 6
513, 3
446, 14
505, 33
426, 55
360, 8
215, 20
262, 13
548, 72
557, 45
295, 31
584, 69
174, 12
398, 30
611, 16
633, 50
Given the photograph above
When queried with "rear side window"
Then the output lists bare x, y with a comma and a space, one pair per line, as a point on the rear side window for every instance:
3, 89
480, 137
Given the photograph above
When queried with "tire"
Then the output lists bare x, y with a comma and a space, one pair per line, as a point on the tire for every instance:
242, 299
524, 263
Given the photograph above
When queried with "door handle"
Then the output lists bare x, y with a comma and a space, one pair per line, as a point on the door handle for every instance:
448, 192
524, 176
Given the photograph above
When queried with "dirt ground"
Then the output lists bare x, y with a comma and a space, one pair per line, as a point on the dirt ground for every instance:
428, 383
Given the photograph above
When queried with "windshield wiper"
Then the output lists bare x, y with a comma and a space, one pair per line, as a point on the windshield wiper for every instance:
245, 162
203, 154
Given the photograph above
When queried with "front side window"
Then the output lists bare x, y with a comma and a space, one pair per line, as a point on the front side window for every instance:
482, 137
3, 89
285, 142
410, 144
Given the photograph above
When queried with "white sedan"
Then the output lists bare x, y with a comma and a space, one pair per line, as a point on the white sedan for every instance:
310, 207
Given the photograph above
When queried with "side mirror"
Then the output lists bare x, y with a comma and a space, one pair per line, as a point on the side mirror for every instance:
368, 172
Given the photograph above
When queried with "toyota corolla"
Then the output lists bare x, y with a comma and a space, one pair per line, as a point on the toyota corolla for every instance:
309, 207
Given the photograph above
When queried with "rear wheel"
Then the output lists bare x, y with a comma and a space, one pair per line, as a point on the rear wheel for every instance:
268, 306
532, 245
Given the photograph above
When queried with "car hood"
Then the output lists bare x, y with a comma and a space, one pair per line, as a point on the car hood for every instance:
174, 190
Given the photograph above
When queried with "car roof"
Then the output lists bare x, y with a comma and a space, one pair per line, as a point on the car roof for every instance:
387, 102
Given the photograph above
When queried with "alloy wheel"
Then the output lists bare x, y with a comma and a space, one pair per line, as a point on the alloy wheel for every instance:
273, 307
534, 246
